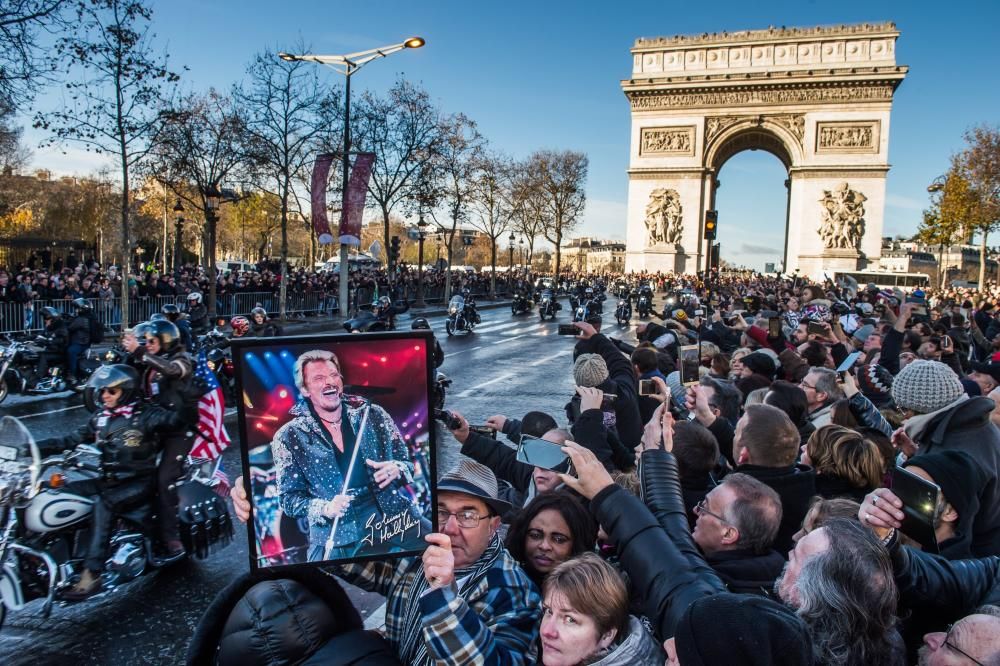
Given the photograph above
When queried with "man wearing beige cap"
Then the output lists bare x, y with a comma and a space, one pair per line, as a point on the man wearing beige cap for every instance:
465, 600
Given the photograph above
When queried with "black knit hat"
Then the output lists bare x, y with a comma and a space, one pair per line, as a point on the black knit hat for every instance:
756, 631
960, 478
760, 364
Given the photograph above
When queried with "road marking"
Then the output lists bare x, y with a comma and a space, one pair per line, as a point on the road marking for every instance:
501, 342
463, 351
550, 358
53, 411
468, 392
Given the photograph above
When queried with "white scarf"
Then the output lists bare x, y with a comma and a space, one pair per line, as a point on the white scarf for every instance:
915, 425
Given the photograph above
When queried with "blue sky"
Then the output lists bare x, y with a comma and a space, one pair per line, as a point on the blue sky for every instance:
546, 75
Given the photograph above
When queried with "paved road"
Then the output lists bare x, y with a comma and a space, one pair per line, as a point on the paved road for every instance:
508, 365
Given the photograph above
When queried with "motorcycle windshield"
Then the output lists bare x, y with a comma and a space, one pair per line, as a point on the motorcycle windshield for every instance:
18, 446
456, 304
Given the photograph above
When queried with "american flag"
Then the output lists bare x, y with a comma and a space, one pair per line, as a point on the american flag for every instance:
211, 438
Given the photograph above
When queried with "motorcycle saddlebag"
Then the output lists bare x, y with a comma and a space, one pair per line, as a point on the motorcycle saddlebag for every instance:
204, 520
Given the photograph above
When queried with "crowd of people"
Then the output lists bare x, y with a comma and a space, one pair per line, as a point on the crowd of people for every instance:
747, 515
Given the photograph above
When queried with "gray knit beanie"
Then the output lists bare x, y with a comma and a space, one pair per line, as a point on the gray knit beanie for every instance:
590, 370
926, 386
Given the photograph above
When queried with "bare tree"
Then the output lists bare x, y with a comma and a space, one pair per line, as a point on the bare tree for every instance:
456, 163
979, 164
561, 176
402, 129
531, 211
115, 96
202, 144
22, 70
287, 111
493, 201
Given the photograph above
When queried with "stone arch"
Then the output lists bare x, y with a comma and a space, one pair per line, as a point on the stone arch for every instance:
819, 99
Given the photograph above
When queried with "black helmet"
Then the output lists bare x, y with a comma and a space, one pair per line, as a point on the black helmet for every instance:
49, 312
420, 324
112, 376
171, 311
166, 332
259, 311
216, 356
81, 304
158, 316
139, 331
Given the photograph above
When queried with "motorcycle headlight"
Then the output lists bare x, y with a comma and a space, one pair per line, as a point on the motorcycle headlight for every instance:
211, 365
453, 309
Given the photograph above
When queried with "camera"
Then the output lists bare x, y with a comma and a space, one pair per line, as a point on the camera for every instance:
840, 308
449, 419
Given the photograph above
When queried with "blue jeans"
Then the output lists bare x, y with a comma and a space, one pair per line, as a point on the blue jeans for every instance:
73, 353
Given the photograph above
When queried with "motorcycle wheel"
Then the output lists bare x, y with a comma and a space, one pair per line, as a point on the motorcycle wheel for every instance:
448, 327
3, 396
513, 309
3, 613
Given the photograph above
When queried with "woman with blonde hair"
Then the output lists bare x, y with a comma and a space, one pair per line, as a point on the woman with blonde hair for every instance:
847, 464
585, 619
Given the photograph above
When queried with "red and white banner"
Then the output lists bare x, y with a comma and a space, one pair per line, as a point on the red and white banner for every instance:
320, 174
354, 199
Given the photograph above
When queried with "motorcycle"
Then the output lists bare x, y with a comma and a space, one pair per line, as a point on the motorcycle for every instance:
441, 384
460, 316
548, 306
521, 303
382, 317
19, 371
44, 522
221, 364
623, 311
644, 303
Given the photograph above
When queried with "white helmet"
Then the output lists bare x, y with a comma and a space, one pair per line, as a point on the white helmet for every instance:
194, 296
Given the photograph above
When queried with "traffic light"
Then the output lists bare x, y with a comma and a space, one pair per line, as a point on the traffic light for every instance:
711, 223
393, 251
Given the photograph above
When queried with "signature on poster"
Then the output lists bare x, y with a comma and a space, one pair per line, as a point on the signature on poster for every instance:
390, 527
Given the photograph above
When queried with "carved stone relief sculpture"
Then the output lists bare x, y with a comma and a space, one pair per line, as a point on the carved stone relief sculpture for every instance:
843, 223
667, 141
847, 137
664, 217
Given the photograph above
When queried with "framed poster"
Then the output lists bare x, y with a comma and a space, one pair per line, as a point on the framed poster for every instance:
336, 435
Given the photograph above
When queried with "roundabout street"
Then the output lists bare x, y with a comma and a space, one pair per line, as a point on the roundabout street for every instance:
509, 365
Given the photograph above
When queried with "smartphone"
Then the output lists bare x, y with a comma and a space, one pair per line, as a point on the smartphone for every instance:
774, 328
648, 387
815, 328
920, 310
539, 452
448, 418
484, 430
920, 499
699, 313
569, 329
690, 361
848, 363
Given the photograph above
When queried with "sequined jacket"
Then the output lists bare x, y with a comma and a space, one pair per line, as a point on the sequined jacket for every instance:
308, 475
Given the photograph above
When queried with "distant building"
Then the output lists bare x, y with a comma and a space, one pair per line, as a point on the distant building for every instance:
960, 262
593, 255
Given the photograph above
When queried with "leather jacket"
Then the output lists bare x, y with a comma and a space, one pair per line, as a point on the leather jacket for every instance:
127, 439
654, 543
57, 337
165, 380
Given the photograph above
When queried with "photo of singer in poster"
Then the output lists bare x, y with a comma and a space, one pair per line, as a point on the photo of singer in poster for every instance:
336, 434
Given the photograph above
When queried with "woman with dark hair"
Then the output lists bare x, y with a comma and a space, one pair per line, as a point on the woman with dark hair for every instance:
552, 528
792, 400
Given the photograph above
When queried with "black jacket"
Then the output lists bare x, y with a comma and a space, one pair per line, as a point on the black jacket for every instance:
198, 317
622, 382
746, 573
967, 427
167, 379
57, 337
654, 544
796, 485
830, 486
79, 329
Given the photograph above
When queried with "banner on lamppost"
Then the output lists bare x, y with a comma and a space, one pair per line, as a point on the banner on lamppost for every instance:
354, 199
320, 174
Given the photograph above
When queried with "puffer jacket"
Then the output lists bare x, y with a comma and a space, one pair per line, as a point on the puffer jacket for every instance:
638, 648
288, 617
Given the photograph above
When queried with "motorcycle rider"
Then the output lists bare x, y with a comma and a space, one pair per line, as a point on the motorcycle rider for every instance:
79, 337
168, 381
471, 313
124, 428
261, 326
197, 313
53, 342
421, 324
174, 314
240, 325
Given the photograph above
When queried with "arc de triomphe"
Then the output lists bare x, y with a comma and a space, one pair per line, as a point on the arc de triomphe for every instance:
817, 98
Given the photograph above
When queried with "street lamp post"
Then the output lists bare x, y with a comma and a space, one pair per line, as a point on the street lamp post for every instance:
347, 65
212, 200
178, 246
510, 263
522, 257
421, 235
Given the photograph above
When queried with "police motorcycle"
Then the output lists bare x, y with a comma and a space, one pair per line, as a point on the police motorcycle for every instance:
45, 511
462, 316
521, 303
623, 310
644, 300
548, 306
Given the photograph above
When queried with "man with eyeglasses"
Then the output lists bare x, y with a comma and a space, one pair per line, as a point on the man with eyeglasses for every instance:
315, 461
973, 640
465, 600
